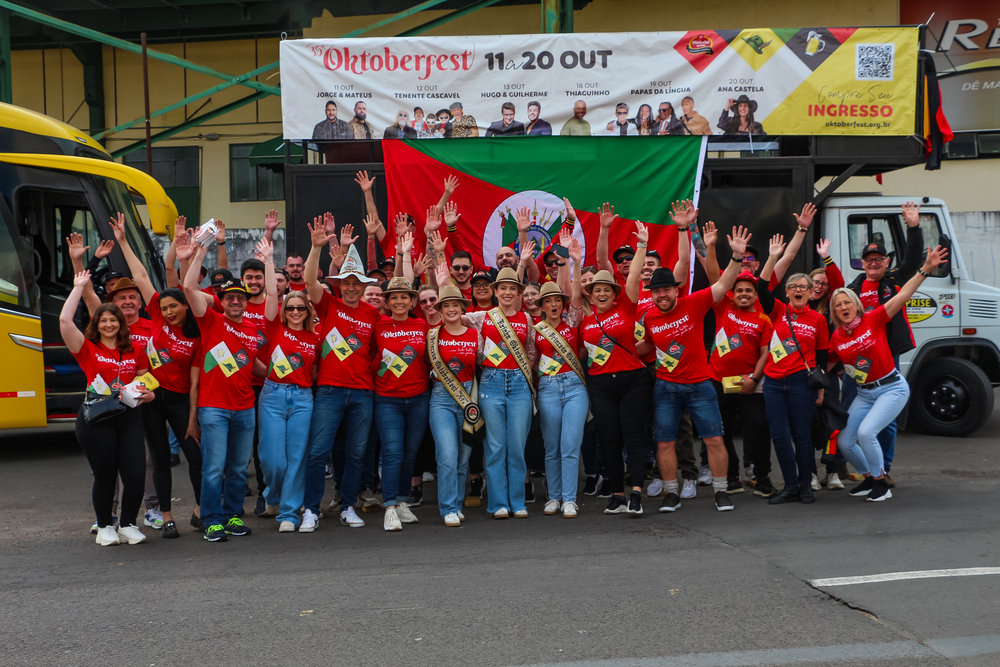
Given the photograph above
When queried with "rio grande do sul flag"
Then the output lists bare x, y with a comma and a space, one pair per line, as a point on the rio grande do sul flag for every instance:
640, 176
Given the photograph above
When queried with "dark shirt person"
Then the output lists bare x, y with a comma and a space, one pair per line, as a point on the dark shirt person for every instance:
666, 121
332, 127
537, 126
741, 123
402, 129
508, 126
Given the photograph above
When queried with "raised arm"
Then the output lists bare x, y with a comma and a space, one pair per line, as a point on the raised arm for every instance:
683, 214
738, 244
450, 183
804, 220
71, 334
576, 254
220, 241
271, 223
265, 249
914, 242
319, 238
833, 274
711, 261
190, 284
526, 265
935, 258
608, 217
139, 274
377, 228
564, 277
76, 252
405, 244
634, 280
170, 263
775, 250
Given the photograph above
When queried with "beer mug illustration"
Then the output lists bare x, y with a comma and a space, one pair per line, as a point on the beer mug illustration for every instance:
814, 44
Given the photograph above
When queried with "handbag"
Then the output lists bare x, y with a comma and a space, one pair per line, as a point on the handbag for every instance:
101, 407
815, 377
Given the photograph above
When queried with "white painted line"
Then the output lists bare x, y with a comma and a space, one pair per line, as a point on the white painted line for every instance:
902, 576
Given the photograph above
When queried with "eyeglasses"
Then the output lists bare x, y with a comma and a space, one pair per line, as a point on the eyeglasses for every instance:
480, 285
749, 258
430, 300
797, 288
624, 258
554, 262
821, 283
297, 309
874, 260
460, 267
403, 115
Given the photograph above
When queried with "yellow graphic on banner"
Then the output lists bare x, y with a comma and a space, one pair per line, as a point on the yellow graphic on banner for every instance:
756, 46
777, 349
152, 355
494, 353
393, 363
279, 362
640, 331
867, 86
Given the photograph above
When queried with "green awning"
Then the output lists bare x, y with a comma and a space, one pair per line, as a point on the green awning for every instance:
271, 154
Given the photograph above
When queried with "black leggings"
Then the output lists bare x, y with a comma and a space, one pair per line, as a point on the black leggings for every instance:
756, 435
115, 448
170, 407
621, 403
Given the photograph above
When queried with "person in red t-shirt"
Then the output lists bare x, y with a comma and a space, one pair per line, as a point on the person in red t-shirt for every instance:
110, 360
861, 342
683, 377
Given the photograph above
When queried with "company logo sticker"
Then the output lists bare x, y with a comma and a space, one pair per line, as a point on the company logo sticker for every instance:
920, 307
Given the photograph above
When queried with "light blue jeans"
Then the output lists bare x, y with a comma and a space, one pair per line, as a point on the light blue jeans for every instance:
226, 441
562, 410
505, 399
452, 454
401, 423
869, 414
284, 413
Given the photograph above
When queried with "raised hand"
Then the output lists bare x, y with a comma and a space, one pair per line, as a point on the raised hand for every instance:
575, 250
523, 218
76, 248
329, 224
911, 214
271, 221
935, 258
337, 256
265, 249
317, 233
564, 236
641, 233
402, 222
81, 279
710, 234
220, 236
570, 211
372, 224
683, 213
179, 226
421, 265
806, 217
437, 242
432, 221
823, 248
118, 227
406, 243
183, 247
361, 178
451, 214
442, 274
450, 184
739, 240
608, 216
347, 235
777, 246
528, 251
105, 249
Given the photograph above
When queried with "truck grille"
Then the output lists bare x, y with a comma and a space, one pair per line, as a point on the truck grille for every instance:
983, 309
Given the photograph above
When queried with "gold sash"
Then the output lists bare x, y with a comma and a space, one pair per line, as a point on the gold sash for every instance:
560, 345
506, 332
468, 403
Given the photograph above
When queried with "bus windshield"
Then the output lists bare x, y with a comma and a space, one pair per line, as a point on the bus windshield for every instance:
17, 282
117, 198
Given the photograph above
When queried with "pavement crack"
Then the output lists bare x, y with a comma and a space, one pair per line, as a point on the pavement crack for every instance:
866, 612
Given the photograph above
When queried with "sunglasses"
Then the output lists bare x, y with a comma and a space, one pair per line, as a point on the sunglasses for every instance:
430, 300
554, 262
625, 258
749, 258
621, 113
297, 309
467, 267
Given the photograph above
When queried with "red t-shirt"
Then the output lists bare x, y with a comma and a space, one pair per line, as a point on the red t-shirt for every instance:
296, 287
169, 351
603, 355
346, 354
551, 362
811, 331
738, 339
869, 295
679, 337
289, 354
459, 353
101, 365
865, 352
254, 314
227, 370
495, 352
401, 357
141, 332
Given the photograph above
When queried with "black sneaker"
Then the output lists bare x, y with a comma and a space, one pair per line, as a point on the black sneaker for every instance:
537, 473
175, 460
789, 494
529, 492
475, 497
416, 497
617, 505
170, 531
764, 488
236, 527
880, 491
590, 486
605, 491
635, 502
863, 489
197, 523
671, 503
806, 496
216, 533
260, 507
723, 503
734, 486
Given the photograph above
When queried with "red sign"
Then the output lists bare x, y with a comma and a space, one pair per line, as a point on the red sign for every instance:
700, 48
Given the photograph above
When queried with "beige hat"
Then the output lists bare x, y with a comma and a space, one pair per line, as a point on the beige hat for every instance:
451, 293
603, 277
550, 289
508, 275
399, 286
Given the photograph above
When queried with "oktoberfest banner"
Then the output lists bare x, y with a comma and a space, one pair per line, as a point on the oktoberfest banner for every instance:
754, 82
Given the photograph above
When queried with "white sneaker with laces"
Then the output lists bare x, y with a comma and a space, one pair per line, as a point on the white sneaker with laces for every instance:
350, 518
705, 476
689, 490
461, 517
132, 534
308, 524
552, 507
391, 521
814, 484
107, 536
153, 519
405, 514
451, 520
569, 510
655, 488
428, 477
286, 527
501, 513
834, 483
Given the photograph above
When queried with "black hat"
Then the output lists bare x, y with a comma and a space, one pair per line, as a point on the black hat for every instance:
376, 271
113, 275
622, 250
873, 248
388, 260
750, 250
743, 99
283, 272
221, 276
234, 286
482, 275
654, 253
662, 277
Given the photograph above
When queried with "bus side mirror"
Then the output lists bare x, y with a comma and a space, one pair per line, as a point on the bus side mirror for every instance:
945, 242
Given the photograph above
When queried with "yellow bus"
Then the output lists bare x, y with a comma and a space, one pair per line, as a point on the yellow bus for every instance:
55, 180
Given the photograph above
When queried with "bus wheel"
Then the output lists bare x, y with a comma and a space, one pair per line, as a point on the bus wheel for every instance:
951, 396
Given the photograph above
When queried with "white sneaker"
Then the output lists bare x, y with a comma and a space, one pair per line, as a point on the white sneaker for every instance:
834, 483
350, 518
655, 488
428, 477
452, 520
501, 513
391, 521
705, 476
814, 484
569, 510
461, 517
107, 536
132, 534
308, 524
521, 514
552, 507
335, 502
286, 527
405, 514
689, 490
153, 519
272, 510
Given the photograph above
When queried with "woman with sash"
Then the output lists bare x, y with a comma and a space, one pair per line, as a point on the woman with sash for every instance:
562, 391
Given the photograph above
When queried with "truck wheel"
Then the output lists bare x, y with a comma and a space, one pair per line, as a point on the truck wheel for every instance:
951, 396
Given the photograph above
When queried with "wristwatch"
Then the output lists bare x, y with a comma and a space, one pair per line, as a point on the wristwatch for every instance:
803, 229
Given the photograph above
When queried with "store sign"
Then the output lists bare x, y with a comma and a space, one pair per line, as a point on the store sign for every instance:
796, 81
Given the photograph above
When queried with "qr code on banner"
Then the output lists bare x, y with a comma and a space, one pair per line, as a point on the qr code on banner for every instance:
875, 62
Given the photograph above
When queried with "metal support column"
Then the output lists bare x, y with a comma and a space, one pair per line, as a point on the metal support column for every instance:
557, 16
91, 56
6, 86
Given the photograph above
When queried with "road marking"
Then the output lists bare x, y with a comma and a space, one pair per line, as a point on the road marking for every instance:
902, 576
902, 650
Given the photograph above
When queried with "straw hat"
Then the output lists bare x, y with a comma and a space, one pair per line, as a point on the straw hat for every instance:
507, 275
451, 293
399, 286
603, 277
550, 289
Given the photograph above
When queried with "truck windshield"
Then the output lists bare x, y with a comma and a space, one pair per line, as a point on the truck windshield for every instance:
117, 199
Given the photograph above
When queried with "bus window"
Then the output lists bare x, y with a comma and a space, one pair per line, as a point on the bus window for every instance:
117, 199
46, 218
17, 284
70, 219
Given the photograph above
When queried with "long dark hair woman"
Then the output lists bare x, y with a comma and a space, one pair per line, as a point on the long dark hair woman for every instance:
644, 120
741, 122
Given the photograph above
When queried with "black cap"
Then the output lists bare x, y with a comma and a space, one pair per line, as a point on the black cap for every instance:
388, 260
234, 286
873, 248
220, 277
113, 275
622, 250
376, 271
482, 275
662, 277
750, 250
654, 253
283, 272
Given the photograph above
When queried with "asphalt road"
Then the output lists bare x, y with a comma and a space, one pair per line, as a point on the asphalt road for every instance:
695, 588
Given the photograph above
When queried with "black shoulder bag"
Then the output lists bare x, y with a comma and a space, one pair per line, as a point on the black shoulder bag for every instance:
816, 378
101, 408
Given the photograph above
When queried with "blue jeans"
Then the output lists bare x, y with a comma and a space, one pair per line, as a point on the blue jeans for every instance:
563, 404
332, 406
887, 436
452, 454
175, 446
670, 399
505, 399
401, 423
868, 416
790, 404
284, 413
226, 441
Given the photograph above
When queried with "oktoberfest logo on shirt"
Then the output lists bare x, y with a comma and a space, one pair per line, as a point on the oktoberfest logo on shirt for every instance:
397, 363
670, 357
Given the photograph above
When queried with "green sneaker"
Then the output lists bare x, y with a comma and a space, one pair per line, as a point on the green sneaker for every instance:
236, 527
215, 533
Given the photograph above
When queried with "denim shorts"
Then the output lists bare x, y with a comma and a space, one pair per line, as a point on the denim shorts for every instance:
670, 399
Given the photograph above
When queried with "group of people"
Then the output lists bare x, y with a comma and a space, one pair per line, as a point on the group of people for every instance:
366, 369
